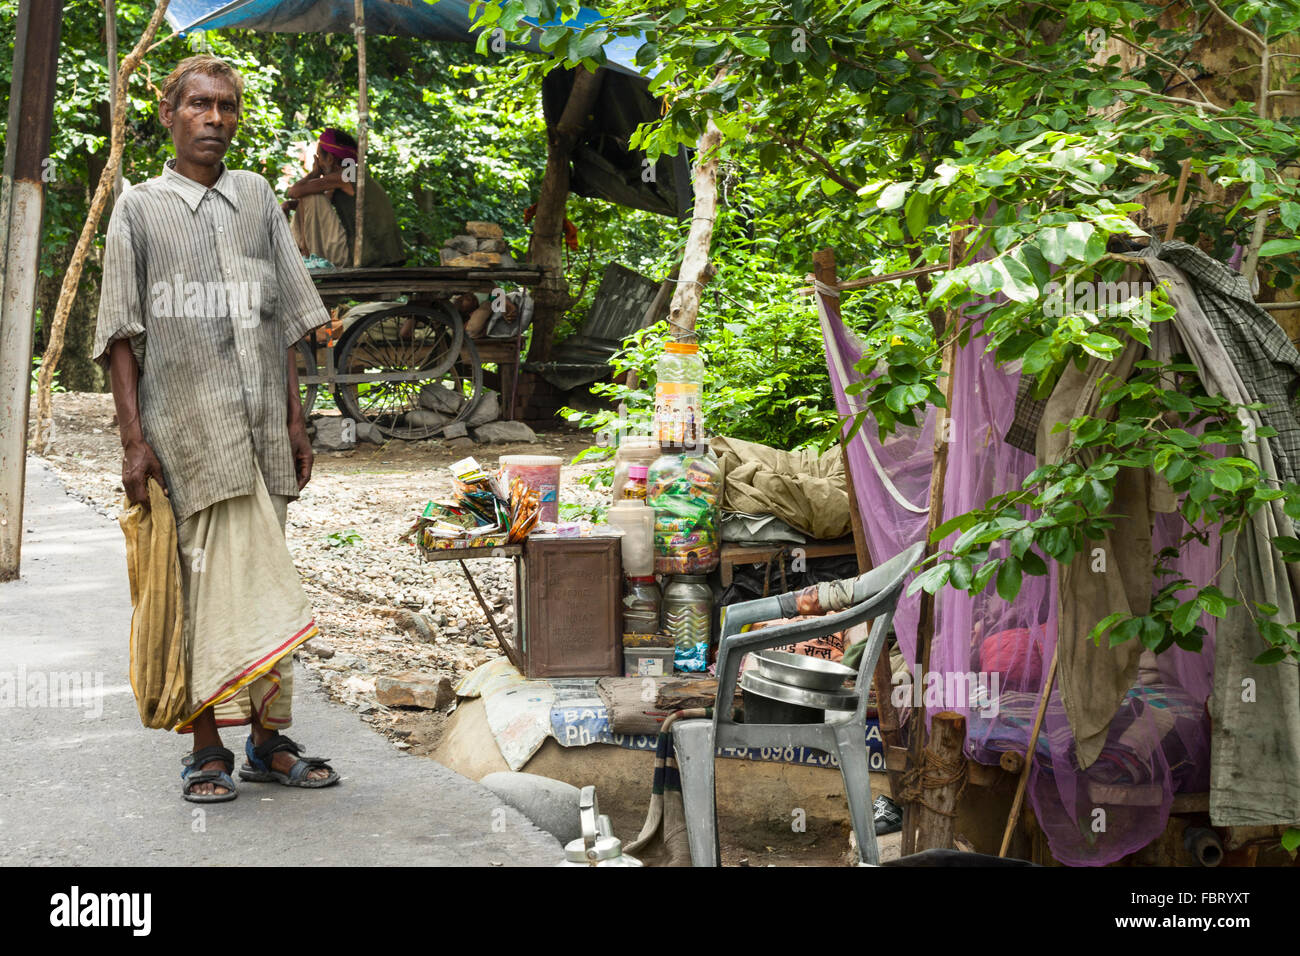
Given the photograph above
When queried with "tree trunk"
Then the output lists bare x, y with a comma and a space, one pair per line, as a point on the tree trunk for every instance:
545, 249
695, 260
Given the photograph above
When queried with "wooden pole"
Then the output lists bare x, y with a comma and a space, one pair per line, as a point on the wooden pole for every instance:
34, 78
942, 781
363, 130
925, 622
890, 729
1018, 803
1176, 213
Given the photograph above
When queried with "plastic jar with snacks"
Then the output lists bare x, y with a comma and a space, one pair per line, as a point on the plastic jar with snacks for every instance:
684, 490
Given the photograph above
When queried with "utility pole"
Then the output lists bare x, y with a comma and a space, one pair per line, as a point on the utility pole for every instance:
27, 167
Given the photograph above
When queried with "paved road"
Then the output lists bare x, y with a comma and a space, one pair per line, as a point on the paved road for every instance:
88, 785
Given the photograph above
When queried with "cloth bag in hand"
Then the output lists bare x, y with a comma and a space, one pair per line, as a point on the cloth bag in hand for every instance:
159, 669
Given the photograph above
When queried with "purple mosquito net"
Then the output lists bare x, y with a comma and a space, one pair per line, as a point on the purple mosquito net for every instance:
1159, 739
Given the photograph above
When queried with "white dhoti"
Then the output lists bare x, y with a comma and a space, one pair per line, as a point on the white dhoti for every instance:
245, 611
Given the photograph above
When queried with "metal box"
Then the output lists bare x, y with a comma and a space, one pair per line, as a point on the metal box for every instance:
567, 594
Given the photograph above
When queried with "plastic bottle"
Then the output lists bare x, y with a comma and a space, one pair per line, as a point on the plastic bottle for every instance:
687, 609
634, 489
679, 386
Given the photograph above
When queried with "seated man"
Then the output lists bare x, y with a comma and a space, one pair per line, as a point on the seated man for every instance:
324, 223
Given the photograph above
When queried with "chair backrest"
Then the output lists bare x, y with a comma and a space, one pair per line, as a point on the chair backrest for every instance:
872, 596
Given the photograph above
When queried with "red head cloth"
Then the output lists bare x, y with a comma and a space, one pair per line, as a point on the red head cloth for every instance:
330, 142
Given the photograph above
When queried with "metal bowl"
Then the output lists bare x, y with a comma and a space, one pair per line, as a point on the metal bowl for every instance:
801, 696
800, 670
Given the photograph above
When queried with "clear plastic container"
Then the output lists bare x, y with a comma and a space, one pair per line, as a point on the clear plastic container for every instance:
679, 388
638, 523
687, 610
632, 450
684, 491
642, 602
634, 489
541, 472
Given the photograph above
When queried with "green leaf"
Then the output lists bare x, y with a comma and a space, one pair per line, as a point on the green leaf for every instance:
1017, 282
1009, 578
1185, 618
752, 46
1077, 235
1291, 839
918, 213
1279, 247
893, 195
1271, 656
1289, 213
1225, 476
1288, 546
1033, 564
1104, 625
591, 45
1051, 242
930, 580
1213, 602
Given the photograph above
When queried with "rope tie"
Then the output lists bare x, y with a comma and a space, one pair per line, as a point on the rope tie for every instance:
936, 771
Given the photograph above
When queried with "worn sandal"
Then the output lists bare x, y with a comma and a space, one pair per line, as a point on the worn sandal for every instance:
258, 766
191, 776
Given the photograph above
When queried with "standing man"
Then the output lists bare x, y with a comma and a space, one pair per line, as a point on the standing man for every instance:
204, 296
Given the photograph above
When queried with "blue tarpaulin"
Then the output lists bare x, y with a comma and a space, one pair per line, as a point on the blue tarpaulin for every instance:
444, 20
602, 165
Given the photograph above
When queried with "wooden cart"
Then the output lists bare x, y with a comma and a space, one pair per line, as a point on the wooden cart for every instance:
402, 335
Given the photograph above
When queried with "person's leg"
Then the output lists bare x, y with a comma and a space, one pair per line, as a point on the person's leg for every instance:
271, 700
206, 735
318, 230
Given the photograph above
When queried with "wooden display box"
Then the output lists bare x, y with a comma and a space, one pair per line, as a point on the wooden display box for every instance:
567, 596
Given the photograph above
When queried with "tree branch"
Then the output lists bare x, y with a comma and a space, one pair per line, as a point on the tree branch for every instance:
1181, 72
72, 278
1240, 28
821, 160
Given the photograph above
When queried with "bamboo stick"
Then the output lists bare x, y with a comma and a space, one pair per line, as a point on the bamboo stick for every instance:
1018, 803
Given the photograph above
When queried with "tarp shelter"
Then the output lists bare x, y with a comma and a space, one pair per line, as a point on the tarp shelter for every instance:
602, 166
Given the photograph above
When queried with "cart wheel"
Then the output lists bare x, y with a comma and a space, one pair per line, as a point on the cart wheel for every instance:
406, 338
306, 353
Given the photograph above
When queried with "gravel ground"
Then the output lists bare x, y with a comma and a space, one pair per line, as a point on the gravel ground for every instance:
362, 591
